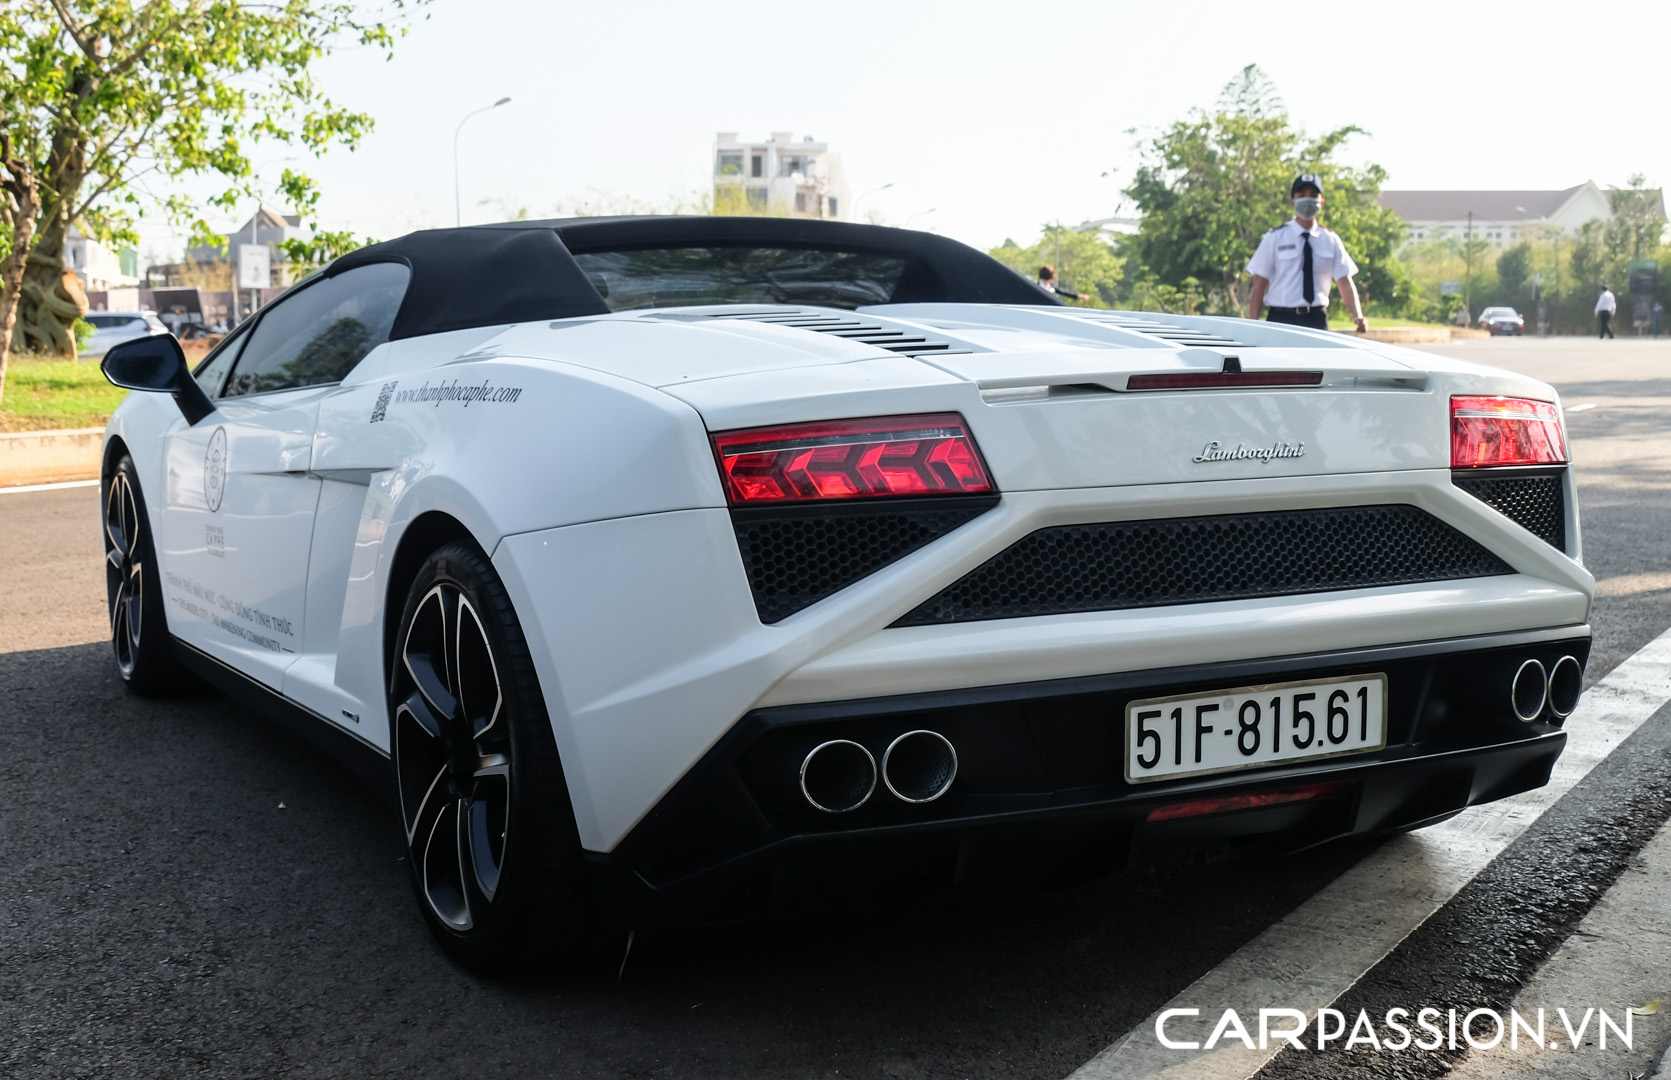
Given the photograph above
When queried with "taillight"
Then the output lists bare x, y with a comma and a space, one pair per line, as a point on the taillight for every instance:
928, 454
1488, 431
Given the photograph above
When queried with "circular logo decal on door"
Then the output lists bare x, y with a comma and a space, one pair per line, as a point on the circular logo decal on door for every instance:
214, 469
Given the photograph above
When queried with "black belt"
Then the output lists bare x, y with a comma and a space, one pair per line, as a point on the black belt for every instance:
1303, 309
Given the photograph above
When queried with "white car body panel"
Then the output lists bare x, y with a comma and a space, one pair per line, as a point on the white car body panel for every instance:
597, 496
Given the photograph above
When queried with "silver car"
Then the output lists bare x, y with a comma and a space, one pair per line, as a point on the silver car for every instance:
114, 327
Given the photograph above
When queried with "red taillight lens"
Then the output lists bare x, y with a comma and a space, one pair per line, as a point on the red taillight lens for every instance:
1488, 431
1226, 803
929, 454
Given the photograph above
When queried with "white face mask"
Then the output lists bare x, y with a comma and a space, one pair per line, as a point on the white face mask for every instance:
1306, 206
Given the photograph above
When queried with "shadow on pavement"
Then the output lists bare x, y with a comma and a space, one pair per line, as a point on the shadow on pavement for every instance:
160, 912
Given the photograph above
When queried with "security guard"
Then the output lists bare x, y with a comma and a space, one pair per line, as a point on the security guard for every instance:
1295, 263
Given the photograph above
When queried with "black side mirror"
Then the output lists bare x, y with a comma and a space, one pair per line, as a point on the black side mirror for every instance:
157, 363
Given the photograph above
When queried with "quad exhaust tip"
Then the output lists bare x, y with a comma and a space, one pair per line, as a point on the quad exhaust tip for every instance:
919, 766
1530, 690
1566, 683
838, 776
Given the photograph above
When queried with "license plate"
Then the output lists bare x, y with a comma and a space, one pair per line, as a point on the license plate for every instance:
1254, 726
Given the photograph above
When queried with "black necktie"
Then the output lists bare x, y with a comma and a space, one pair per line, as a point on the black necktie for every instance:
1308, 287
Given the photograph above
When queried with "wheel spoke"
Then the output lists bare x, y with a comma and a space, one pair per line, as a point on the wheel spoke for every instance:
113, 518
420, 767
118, 607
475, 674
114, 558
418, 710
424, 653
442, 870
121, 638
136, 602
130, 519
488, 817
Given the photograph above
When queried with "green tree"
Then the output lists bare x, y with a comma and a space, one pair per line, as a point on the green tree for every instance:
1212, 184
95, 94
1085, 262
1514, 269
1638, 224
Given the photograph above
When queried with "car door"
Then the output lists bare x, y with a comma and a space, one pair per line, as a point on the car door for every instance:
241, 498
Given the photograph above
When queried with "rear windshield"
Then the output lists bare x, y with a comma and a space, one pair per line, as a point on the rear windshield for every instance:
681, 276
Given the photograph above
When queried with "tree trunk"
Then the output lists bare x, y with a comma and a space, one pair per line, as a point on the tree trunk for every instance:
1233, 290
49, 304
50, 299
23, 202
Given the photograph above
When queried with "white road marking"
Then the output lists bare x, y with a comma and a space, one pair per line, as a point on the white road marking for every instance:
1314, 954
23, 488
1581, 408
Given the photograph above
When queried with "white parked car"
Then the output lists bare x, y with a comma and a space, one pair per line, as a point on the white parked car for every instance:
697, 567
113, 327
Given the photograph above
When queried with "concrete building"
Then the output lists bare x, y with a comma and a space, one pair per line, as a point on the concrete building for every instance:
781, 176
99, 268
267, 227
1502, 218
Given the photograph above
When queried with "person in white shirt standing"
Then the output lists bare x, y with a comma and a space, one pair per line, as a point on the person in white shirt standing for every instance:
1606, 305
1295, 263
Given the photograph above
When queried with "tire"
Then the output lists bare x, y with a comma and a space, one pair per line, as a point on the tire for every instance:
138, 625
473, 757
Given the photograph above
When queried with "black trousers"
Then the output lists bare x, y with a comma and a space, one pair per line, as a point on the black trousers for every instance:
1604, 317
1317, 318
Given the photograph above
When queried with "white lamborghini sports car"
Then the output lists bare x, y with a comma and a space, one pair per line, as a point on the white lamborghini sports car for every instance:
706, 568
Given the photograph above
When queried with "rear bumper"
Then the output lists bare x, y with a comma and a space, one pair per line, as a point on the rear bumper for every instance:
1040, 794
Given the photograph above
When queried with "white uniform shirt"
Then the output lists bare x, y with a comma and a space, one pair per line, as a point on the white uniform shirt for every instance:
1605, 302
1280, 257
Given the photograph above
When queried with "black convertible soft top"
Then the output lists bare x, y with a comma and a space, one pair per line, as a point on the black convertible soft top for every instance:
522, 271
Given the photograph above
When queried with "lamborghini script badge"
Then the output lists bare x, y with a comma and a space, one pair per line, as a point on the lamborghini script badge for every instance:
1216, 451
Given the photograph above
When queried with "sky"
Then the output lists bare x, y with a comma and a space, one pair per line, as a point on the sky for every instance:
988, 119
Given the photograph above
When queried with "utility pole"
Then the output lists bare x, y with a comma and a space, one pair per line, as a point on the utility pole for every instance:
1468, 263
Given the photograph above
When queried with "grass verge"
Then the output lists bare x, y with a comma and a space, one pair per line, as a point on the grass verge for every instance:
1376, 324
44, 395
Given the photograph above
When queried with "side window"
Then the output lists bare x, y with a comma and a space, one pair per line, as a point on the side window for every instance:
317, 335
211, 374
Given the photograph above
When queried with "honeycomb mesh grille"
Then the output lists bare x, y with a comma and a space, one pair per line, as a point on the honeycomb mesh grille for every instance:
1537, 504
1136, 564
796, 560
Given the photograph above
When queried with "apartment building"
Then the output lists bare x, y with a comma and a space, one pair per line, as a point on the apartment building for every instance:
781, 176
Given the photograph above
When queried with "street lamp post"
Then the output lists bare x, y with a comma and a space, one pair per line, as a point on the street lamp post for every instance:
866, 195
458, 205
923, 213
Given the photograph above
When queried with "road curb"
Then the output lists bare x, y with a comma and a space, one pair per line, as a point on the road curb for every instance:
47, 457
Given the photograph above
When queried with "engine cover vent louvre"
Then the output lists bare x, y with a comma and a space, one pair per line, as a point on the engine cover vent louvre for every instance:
1165, 331
796, 557
893, 339
1537, 503
1162, 562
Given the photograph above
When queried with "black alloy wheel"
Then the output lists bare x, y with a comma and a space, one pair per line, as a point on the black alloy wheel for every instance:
489, 829
138, 625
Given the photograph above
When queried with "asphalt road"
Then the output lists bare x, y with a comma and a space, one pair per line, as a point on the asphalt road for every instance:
185, 889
